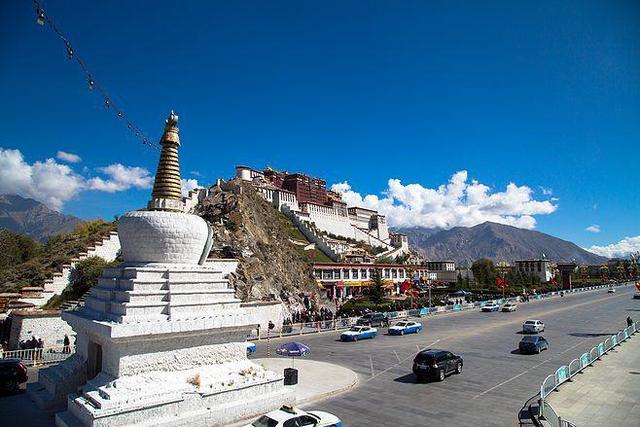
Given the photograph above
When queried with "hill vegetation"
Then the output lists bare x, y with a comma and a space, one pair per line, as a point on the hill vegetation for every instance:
25, 262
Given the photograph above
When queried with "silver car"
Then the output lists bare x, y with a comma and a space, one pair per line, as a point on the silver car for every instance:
532, 326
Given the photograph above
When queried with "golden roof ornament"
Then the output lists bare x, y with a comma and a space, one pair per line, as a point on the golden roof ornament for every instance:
167, 187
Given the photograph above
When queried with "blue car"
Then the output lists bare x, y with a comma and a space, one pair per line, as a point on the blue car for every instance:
251, 347
359, 333
533, 344
405, 327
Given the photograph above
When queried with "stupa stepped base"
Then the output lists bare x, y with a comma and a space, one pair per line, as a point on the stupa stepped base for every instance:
56, 382
154, 292
225, 388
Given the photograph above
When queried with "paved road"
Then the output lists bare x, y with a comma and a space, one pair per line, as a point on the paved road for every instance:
496, 380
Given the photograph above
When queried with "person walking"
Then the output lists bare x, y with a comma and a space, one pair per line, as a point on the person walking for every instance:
629, 321
66, 343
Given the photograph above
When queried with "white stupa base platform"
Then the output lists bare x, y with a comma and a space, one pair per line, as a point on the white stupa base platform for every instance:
207, 396
159, 344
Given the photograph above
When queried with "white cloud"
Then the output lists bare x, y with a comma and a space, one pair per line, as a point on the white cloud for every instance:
121, 178
595, 228
68, 157
187, 185
54, 184
546, 191
48, 182
195, 173
624, 247
457, 203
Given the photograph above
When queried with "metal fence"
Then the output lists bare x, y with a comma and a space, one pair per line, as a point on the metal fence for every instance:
567, 372
345, 323
39, 356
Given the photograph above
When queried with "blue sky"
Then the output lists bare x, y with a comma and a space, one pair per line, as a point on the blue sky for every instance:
545, 95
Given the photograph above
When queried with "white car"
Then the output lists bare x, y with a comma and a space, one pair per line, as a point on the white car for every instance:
532, 326
611, 291
492, 306
290, 416
356, 333
509, 307
405, 327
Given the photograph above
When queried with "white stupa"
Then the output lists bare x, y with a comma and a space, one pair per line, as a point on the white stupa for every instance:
160, 339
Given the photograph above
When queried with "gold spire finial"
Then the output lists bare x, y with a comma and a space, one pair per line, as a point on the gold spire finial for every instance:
167, 188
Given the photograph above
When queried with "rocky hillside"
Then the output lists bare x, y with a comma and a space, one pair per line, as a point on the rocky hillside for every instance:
495, 241
30, 217
268, 246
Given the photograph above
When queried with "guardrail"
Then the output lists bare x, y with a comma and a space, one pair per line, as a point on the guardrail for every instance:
39, 356
567, 372
346, 323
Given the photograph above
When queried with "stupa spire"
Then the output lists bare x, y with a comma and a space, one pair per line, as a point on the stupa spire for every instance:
167, 188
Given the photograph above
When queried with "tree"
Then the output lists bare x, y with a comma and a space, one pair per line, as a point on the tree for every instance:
459, 281
86, 273
376, 290
484, 271
16, 248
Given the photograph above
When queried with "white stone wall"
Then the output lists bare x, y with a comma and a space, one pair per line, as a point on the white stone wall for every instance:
50, 328
262, 313
226, 266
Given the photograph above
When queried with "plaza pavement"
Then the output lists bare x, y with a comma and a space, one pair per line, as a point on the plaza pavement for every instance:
316, 380
606, 393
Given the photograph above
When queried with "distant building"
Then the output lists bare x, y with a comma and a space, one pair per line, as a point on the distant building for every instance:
348, 280
538, 267
445, 270
308, 199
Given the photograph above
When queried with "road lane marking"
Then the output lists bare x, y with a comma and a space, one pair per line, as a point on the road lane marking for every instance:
397, 364
371, 362
397, 357
524, 372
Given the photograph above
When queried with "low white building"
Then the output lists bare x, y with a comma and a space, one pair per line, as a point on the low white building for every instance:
538, 267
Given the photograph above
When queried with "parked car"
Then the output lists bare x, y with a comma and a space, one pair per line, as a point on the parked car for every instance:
636, 296
356, 333
436, 364
492, 306
373, 319
12, 374
288, 416
405, 327
251, 347
611, 291
510, 306
532, 326
533, 344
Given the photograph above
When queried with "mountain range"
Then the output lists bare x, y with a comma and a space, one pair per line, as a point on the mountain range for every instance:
30, 217
499, 242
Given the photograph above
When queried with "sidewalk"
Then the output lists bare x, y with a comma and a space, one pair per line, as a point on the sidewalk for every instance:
316, 380
606, 393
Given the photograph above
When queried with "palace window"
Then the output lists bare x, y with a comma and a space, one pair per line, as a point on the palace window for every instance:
354, 273
345, 273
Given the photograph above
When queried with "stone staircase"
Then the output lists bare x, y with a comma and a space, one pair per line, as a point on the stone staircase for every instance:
57, 381
107, 249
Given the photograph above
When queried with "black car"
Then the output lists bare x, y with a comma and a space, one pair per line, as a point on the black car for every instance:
373, 319
436, 364
533, 344
12, 374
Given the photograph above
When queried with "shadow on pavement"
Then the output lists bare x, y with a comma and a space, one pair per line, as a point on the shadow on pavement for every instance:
516, 351
407, 379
